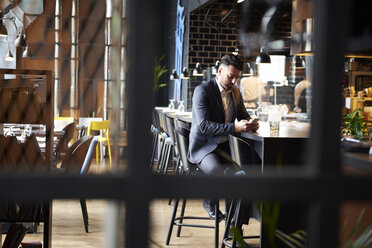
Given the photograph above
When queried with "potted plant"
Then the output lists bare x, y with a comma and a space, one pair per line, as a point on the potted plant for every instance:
354, 125
159, 71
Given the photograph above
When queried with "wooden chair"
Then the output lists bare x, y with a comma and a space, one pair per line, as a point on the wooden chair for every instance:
63, 143
77, 161
102, 126
33, 154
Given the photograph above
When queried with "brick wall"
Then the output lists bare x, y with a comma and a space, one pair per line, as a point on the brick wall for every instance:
210, 39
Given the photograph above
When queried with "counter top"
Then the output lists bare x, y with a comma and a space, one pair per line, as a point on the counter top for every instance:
287, 129
361, 161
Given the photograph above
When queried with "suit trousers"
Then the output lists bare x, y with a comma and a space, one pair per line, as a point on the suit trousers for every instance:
219, 162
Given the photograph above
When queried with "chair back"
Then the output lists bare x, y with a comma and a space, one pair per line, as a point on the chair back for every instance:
180, 124
182, 142
98, 126
13, 154
68, 134
169, 121
243, 153
88, 157
74, 163
155, 119
71, 149
33, 155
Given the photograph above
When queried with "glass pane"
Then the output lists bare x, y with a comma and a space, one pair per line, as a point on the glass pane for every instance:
262, 223
68, 223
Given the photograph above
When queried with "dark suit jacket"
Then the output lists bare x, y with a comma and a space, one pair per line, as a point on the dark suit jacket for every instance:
208, 119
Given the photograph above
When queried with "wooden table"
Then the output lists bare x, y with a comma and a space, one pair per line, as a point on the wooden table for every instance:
285, 147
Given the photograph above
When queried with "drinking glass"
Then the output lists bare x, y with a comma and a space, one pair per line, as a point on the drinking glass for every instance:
171, 104
181, 108
274, 117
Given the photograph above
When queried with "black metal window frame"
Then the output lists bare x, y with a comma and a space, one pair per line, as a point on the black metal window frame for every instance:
322, 181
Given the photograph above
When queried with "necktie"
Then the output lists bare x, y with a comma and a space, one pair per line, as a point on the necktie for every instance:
227, 105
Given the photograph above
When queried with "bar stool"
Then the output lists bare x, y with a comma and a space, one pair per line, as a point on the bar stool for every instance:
243, 154
187, 169
164, 142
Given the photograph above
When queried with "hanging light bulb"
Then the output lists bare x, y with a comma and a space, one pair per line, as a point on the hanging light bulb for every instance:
263, 57
198, 71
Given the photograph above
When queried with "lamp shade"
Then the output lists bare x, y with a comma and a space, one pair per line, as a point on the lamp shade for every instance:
215, 68
174, 75
263, 57
3, 30
198, 71
9, 56
247, 70
298, 62
185, 73
21, 40
26, 53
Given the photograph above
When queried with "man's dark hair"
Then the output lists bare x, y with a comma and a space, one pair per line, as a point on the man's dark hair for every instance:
231, 59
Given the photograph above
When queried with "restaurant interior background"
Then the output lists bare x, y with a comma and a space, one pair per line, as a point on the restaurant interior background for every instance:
103, 67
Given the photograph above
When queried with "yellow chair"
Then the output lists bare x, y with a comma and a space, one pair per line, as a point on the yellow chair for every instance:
101, 126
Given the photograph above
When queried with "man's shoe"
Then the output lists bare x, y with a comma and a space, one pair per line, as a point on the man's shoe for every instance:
212, 214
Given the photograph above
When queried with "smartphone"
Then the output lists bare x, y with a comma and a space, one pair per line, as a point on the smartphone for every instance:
255, 120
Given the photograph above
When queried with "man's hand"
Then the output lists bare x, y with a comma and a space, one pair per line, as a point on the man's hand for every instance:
245, 126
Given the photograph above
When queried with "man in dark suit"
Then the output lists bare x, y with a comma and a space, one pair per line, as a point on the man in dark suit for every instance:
217, 110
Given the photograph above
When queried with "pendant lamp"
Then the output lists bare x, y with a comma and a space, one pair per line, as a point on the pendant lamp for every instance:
9, 56
198, 71
298, 62
3, 31
185, 73
174, 75
215, 68
247, 70
263, 57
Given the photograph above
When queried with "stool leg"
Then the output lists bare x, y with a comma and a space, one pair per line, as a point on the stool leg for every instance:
217, 224
228, 222
97, 155
167, 161
163, 159
233, 245
182, 214
84, 210
175, 206
161, 155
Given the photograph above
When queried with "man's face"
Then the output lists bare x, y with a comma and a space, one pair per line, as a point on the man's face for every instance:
228, 76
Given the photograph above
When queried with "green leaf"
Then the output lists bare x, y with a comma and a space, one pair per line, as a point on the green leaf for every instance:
237, 235
159, 71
